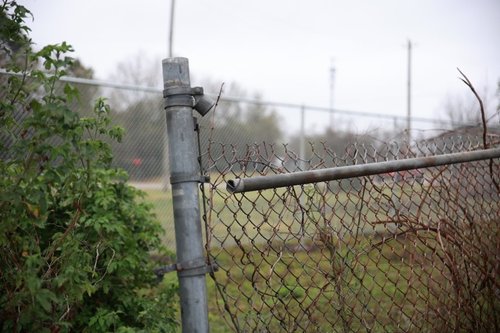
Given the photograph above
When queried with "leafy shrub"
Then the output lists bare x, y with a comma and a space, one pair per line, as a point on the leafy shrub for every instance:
75, 239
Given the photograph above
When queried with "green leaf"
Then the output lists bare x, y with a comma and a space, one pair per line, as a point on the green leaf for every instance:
71, 92
45, 298
89, 288
64, 207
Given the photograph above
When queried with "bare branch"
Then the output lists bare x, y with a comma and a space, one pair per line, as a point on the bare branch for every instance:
466, 80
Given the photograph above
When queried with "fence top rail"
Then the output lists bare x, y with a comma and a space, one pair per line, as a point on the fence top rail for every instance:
155, 90
241, 185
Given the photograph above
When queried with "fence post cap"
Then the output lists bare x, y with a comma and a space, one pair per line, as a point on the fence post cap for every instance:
175, 72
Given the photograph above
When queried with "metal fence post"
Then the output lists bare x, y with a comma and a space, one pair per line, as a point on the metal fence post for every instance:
180, 100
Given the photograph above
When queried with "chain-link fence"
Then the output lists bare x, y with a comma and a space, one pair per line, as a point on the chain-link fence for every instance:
410, 251
402, 251
237, 121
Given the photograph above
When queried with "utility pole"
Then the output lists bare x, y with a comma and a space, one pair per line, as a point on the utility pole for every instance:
171, 30
408, 105
332, 85
166, 164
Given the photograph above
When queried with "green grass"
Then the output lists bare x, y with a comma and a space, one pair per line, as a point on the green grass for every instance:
289, 291
161, 202
298, 260
262, 215
267, 218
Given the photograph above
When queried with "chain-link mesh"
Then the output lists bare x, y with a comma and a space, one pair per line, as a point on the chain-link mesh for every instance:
413, 251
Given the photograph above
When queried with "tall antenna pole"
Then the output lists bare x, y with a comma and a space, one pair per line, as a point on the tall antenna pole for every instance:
408, 105
171, 31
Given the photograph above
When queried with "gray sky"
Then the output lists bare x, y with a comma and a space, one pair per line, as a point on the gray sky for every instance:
284, 48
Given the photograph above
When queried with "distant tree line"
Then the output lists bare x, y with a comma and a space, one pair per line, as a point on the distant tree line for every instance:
230, 124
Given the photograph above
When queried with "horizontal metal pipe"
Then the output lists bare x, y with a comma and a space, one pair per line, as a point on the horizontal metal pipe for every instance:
94, 82
359, 170
329, 110
154, 90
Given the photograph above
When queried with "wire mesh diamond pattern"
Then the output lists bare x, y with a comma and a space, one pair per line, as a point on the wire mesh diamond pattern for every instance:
408, 251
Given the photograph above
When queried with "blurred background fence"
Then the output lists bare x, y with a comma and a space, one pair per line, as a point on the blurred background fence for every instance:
237, 121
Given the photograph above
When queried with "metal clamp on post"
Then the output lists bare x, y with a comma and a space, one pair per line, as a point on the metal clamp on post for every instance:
190, 97
195, 267
189, 268
186, 178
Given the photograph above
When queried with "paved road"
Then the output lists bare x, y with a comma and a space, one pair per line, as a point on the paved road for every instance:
147, 185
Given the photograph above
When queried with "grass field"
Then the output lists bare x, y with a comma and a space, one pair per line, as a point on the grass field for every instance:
313, 291
308, 260
254, 218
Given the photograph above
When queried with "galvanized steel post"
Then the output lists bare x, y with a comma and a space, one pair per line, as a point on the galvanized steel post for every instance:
180, 100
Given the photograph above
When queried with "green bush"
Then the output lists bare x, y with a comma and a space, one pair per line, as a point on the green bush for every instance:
75, 239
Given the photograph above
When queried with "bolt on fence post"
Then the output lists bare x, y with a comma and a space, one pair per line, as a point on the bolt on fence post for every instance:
185, 176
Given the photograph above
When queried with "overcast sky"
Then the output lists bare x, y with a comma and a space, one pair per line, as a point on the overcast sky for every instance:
284, 48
